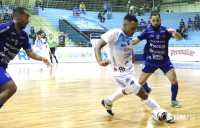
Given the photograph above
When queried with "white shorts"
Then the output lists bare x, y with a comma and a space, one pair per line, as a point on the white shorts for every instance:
128, 83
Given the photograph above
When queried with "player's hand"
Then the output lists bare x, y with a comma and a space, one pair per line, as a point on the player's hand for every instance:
171, 30
104, 62
45, 60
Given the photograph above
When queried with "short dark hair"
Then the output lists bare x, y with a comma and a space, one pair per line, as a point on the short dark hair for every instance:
154, 14
20, 10
130, 18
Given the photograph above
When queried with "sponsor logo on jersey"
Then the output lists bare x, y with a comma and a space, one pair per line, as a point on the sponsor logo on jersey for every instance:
5, 49
7, 75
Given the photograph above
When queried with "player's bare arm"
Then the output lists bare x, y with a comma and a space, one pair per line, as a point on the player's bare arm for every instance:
135, 41
35, 56
175, 34
97, 51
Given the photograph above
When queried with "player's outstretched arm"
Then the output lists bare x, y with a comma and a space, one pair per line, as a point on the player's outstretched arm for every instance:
175, 34
135, 41
35, 56
97, 51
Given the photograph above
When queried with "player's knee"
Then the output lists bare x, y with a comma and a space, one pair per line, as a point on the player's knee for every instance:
13, 89
127, 91
132, 89
10, 87
173, 80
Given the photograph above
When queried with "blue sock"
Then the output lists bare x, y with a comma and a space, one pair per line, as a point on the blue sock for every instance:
146, 87
174, 90
1, 105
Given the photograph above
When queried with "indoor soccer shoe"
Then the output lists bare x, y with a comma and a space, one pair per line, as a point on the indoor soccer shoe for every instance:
169, 118
108, 105
176, 104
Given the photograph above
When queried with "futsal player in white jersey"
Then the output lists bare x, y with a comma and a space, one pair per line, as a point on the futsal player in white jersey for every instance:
42, 46
119, 45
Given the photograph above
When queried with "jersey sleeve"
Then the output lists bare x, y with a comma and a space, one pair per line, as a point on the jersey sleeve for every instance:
4, 28
27, 44
110, 36
143, 35
169, 34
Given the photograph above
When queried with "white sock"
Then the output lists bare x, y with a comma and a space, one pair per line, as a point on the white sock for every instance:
116, 95
151, 103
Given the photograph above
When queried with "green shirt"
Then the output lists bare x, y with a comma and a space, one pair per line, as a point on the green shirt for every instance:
51, 43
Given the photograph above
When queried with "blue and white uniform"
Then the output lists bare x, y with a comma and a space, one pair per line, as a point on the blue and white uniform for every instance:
43, 47
121, 59
156, 49
10, 44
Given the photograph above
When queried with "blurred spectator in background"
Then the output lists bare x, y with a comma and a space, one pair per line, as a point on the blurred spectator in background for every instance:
39, 3
82, 8
182, 25
142, 25
197, 17
184, 33
190, 24
32, 35
1, 4
101, 17
130, 12
40, 31
7, 15
61, 39
149, 22
105, 8
109, 8
76, 11
196, 24
1, 18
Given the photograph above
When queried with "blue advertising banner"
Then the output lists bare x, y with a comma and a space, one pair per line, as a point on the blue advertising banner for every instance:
85, 24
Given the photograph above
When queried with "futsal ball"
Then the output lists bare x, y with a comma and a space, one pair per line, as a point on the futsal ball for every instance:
159, 115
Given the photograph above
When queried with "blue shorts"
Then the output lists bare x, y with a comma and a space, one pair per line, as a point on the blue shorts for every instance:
4, 76
150, 69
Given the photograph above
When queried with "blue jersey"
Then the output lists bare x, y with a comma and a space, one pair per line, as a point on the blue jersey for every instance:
156, 48
11, 42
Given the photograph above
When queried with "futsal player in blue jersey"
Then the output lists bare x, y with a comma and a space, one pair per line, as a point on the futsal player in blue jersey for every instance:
12, 39
120, 55
156, 54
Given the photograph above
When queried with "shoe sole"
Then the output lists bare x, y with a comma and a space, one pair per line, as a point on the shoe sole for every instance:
176, 106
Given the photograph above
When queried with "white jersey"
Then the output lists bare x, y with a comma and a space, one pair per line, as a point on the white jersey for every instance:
43, 47
120, 52
41, 43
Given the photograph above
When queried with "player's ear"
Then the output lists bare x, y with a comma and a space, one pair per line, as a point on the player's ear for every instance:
16, 16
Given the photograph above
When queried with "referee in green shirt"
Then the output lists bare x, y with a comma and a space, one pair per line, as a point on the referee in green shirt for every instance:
52, 45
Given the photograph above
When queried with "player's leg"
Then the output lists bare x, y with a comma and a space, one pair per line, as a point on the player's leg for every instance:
53, 53
50, 54
146, 73
171, 75
140, 92
108, 102
135, 88
7, 86
142, 81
